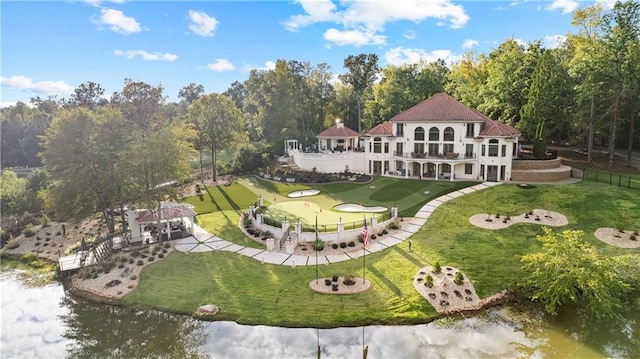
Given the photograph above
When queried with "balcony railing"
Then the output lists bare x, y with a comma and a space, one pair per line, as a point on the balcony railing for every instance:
439, 156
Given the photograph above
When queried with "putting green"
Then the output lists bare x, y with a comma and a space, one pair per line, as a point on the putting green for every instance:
307, 211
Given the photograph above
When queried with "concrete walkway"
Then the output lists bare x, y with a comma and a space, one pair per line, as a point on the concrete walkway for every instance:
202, 241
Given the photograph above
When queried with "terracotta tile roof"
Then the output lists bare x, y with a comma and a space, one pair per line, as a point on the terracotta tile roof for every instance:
494, 128
383, 129
167, 211
338, 130
444, 108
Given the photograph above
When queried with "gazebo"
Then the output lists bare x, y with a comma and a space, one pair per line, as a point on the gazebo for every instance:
176, 217
338, 138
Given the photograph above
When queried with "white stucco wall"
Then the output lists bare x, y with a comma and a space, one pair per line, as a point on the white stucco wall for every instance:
330, 162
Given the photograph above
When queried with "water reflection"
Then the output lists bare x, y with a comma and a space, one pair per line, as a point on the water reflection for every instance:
43, 323
30, 320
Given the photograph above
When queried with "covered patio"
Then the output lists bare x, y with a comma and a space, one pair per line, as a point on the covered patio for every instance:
172, 221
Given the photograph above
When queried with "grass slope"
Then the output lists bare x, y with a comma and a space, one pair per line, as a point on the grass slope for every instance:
254, 293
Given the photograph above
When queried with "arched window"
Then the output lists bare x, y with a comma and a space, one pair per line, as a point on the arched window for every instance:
448, 134
434, 134
418, 134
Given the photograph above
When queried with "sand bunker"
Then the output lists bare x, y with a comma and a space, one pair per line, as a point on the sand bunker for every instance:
303, 193
353, 207
537, 216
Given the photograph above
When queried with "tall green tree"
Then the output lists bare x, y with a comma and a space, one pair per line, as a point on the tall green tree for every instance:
88, 94
363, 71
13, 188
190, 93
153, 161
587, 68
320, 94
621, 37
509, 73
141, 105
344, 106
466, 79
402, 87
82, 152
549, 99
217, 117
570, 271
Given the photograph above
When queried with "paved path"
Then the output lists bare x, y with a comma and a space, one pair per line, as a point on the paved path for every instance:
202, 241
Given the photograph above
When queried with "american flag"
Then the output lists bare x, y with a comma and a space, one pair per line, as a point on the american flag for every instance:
365, 232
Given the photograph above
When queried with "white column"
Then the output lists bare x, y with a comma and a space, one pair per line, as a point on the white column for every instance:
298, 229
340, 230
374, 223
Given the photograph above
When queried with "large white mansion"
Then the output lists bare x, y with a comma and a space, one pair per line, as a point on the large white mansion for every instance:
437, 138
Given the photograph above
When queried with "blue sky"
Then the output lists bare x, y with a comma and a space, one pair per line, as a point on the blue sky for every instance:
51, 47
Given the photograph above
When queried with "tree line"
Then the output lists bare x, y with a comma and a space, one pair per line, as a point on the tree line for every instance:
100, 152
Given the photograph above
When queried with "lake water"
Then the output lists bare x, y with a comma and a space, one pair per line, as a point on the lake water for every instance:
44, 322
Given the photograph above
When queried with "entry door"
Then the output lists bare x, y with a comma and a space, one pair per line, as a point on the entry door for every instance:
492, 173
377, 167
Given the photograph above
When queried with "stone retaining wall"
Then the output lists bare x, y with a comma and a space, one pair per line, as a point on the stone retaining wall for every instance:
551, 175
535, 164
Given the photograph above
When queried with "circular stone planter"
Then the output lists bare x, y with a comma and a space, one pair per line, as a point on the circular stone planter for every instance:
358, 287
303, 193
354, 207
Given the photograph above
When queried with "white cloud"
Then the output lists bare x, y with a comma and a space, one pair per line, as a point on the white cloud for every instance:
567, 6
202, 24
268, 65
553, 41
98, 3
23, 83
117, 21
399, 55
354, 37
147, 56
221, 65
410, 34
469, 43
4, 104
607, 4
316, 11
367, 18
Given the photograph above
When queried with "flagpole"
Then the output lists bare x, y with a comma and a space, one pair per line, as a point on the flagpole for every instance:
364, 252
316, 248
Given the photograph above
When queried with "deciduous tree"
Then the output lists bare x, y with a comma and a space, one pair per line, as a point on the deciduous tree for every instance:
217, 118
363, 71
570, 271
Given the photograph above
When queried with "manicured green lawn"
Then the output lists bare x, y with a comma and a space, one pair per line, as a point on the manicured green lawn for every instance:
254, 293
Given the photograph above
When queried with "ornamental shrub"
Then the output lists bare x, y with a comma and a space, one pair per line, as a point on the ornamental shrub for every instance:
428, 281
459, 278
437, 268
29, 231
318, 245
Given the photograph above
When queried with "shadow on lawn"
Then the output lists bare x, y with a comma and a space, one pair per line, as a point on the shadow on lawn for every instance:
410, 256
268, 185
386, 281
213, 200
233, 204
